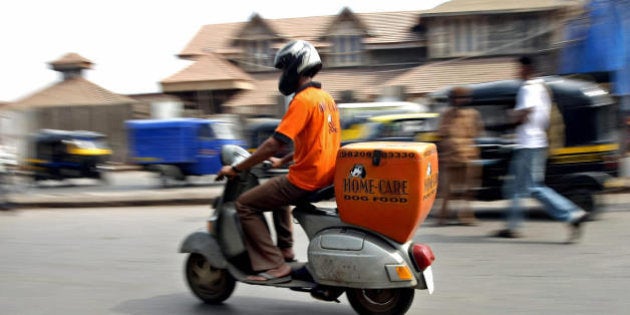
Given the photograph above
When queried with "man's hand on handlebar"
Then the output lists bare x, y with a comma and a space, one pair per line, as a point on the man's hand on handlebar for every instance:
275, 162
230, 171
226, 171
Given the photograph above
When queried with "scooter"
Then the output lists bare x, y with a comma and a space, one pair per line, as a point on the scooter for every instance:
378, 274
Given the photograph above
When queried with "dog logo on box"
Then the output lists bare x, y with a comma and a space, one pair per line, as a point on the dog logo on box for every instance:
358, 170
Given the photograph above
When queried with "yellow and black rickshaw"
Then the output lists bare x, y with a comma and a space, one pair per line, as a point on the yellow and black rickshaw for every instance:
61, 154
584, 146
401, 127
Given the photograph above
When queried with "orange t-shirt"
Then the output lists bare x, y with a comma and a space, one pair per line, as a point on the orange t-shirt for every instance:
312, 123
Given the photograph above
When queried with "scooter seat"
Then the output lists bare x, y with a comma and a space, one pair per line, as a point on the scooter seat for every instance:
325, 193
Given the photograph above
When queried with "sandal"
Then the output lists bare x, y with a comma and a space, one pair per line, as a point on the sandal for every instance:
267, 278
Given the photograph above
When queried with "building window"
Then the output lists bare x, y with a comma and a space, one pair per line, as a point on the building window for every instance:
258, 55
517, 34
495, 35
439, 39
346, 50
466, 37
533, 28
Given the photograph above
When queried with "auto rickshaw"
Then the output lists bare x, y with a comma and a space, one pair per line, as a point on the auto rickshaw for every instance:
584, 149
61, 154
257, 130
354, 116
400, 127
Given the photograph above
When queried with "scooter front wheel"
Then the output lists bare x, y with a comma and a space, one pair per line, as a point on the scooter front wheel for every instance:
211, 285
380, 301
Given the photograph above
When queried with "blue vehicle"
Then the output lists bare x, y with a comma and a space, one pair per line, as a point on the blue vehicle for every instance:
180, 147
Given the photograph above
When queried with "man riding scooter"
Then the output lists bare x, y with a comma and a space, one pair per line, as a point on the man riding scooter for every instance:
312, 124
363, 247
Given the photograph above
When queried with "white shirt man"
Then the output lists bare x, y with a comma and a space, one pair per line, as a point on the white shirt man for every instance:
533, 97
527, 168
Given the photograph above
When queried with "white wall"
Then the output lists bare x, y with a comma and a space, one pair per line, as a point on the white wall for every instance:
15, 128
166, 109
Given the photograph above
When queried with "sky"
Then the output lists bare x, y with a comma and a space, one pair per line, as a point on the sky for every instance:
133, 44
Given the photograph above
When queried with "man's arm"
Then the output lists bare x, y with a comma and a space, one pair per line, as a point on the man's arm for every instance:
519, 116
264, 151
479, 124
445, 121
278, 162
524, 105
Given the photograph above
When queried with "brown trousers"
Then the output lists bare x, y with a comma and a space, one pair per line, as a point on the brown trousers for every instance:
276, 194
459, 179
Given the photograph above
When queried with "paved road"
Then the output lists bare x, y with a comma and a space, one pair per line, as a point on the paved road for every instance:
121, 188
124, 260
114, 181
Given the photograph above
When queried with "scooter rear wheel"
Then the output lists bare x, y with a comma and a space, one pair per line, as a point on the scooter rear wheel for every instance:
211, 285
380, 301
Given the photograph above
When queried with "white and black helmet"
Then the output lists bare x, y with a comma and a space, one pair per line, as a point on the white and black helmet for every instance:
295, 59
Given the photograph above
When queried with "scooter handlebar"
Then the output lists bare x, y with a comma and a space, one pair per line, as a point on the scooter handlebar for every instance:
266, 165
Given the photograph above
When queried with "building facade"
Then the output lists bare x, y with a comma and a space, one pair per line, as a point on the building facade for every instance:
369, 56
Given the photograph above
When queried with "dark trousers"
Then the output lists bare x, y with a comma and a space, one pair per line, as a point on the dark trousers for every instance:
276, 194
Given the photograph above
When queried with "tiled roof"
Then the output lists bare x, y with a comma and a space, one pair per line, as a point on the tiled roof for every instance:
469, 6
210, 39
71, 58
384, 27
390, 27
364, 83
208, 67
76, 91
264, 92
306, 28
434, 76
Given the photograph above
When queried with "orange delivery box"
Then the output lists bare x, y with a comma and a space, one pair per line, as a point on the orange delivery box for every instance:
387, 187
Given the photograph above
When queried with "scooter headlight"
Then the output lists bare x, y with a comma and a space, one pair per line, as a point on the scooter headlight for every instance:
233, 154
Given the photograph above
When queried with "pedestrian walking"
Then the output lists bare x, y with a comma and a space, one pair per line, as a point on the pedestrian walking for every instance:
459, 126
527, 167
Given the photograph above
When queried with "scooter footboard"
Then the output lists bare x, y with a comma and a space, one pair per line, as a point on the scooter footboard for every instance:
202, 242
358, 259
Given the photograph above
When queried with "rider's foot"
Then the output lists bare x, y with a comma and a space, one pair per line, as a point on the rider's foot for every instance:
281, 273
